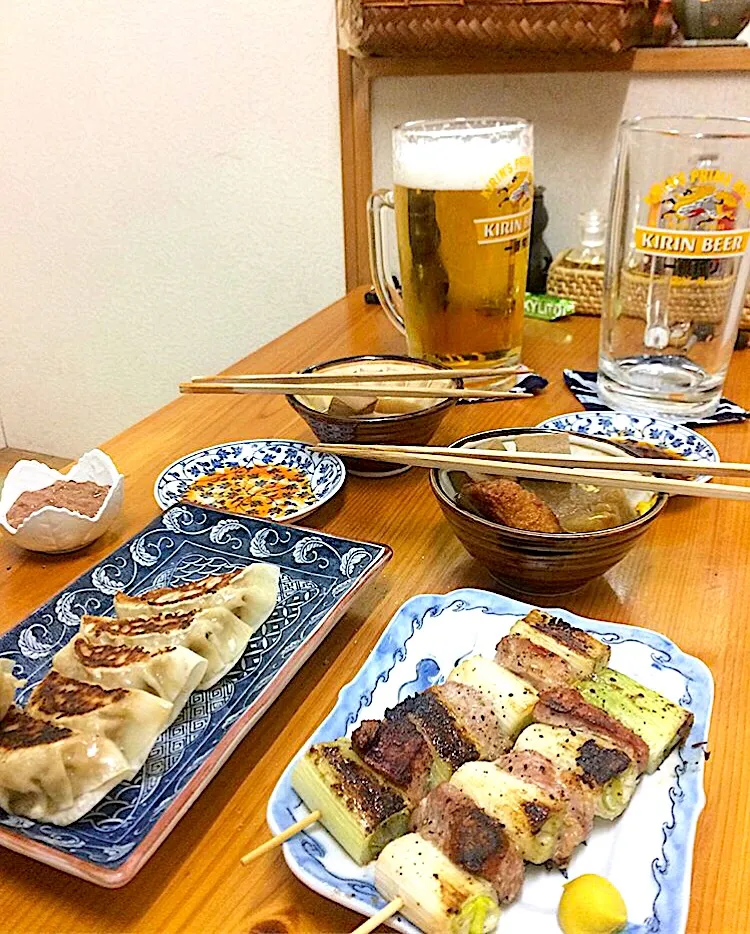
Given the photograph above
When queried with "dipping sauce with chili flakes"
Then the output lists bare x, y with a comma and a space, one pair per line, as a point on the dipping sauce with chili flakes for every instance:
266, 492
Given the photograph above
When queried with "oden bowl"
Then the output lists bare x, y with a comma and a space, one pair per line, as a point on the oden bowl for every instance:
539, 562
405, 428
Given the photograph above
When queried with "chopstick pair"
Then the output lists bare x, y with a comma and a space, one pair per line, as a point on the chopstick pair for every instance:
358, 384
396, 392
614, 472
392, 908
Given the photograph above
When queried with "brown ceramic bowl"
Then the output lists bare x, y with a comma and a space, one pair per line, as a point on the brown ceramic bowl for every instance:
538, 562
405, 428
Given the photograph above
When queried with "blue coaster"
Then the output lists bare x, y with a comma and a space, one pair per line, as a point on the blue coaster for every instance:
582, 383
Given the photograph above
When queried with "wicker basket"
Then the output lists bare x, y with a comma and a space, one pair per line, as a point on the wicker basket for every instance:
584, 286
466, 27
691, 303
697, 300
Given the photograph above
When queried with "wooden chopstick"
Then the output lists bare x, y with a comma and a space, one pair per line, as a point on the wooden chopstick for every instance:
624, 463
531, 472
391, 909
291, 831
379, 392
325, 377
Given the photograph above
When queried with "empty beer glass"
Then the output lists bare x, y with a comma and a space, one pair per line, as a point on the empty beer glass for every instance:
677, 264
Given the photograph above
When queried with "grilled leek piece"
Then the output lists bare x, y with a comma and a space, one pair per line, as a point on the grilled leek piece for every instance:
661, 724
582, 652
511, 697
361, 811
608, 771
533, 818
439, 897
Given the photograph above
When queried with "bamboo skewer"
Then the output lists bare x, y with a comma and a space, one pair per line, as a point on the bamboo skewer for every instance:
531, 472
312, 818
391, 909
344, 391
635, 464
326, 377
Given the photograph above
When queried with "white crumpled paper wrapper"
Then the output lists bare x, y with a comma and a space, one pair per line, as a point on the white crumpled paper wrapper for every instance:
53, 529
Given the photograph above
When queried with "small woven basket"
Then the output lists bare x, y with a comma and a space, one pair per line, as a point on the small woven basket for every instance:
696, 300
466, 27
584, 286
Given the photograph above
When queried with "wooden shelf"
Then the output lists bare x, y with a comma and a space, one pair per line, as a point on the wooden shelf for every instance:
651, 61
356, 76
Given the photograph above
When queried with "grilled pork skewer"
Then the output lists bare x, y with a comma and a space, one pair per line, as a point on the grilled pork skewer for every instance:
436, 894
470, 838
608, 771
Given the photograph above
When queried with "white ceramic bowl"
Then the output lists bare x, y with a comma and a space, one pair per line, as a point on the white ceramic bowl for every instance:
54, 529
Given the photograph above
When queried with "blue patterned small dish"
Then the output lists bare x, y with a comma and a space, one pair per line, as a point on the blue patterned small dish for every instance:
325, 472
647, 853
620, 426
320, 576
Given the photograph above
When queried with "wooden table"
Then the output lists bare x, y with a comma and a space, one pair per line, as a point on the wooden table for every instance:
689, 578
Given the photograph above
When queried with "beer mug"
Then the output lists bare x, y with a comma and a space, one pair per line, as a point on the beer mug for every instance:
677, 264
463, 196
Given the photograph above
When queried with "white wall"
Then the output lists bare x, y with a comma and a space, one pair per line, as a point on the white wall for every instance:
169, 199
575, 118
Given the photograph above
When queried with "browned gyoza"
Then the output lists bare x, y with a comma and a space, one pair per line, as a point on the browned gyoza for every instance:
566, 707
562, 785
470, 838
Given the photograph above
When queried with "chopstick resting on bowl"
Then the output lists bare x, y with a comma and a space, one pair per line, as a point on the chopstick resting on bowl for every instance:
477, 460
370, 389
643, 465
404, 374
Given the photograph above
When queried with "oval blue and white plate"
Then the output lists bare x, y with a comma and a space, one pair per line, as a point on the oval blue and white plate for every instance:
621, 426
325, 472
647, 853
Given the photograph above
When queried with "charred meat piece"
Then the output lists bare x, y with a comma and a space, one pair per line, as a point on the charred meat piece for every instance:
566, 707
538, 665
533, 818
470, 838
475, 714
439, 728
561, 785
508, 503
396, 750
609, 773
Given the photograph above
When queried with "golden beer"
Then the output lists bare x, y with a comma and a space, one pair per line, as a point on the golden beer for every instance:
463, 275
463, 195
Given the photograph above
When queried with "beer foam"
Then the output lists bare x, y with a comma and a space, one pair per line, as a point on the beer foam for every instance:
453, 164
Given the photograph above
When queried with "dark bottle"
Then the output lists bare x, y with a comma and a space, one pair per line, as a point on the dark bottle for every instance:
539, 254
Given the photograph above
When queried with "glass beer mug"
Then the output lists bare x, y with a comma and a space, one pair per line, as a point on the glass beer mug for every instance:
463, 196
678, 258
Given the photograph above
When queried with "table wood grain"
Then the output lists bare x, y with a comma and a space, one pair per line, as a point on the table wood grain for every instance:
689, 578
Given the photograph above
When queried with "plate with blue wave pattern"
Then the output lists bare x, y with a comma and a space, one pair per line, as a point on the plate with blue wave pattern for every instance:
646, 853
325, 473
320, 576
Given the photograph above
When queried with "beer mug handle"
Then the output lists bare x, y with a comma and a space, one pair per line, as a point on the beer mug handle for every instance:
386, 291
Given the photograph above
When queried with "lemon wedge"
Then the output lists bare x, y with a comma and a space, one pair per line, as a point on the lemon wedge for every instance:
590, 904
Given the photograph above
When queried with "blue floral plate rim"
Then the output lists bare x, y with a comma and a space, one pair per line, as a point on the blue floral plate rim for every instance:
657, 431
670, 870
327, 475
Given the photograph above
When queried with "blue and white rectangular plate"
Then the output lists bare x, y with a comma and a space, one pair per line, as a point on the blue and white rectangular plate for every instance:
320, 576
646, 853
